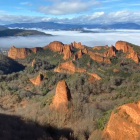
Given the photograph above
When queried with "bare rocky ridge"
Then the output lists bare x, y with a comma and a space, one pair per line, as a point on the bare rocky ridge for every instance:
37, 80
124, 123
62, 96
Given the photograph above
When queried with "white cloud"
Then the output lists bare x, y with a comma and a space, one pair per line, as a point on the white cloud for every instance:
68, 7
95, 18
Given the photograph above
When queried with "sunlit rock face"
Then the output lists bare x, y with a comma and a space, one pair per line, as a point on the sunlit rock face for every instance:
59, 47
21, 53
78, 45
37, 80
68, 67
62, 96
126, 48
124, 123
18, 53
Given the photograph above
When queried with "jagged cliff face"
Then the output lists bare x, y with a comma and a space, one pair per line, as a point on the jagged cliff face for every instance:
21, 53
62, 96
124, 124
121, 45
18, 53
110, 52
78, 45
95, 56
57, 46
68, 67
37, 80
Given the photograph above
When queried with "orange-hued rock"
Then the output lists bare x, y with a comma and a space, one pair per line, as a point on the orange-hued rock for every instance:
57, 46
98, 58
33, 62
78, 55
78, 45
20, 53
124, 124
62, 96
95, 76
110, 52
37, 80
85, 51
68, 67
36, 49
67, 52
126, 48
17, 53
115, 70
99, 47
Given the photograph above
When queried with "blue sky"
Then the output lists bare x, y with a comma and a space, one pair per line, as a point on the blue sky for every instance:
70, 11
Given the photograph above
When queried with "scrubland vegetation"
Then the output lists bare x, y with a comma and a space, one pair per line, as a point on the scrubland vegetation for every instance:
89, 109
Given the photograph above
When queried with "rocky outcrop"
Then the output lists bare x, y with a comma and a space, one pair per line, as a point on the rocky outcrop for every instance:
62, 96
78, 45
36, 49
110, 52
100, 47
18, 53
98, 58
94, 76
78, 55
37, 80
115, 70
124, 123
68, 67
59, 47
21, 53
126, 48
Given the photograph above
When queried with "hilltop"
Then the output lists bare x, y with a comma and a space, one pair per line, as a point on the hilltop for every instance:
20, 32
74, 87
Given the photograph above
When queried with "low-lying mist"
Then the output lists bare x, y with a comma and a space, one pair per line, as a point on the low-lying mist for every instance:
107, 37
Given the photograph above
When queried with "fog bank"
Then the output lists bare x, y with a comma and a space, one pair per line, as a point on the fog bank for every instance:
106, 37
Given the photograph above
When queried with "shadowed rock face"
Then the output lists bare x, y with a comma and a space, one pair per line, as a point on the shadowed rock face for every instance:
62, 96
37, 80
68, 67
124, 124
121, 45
20, 53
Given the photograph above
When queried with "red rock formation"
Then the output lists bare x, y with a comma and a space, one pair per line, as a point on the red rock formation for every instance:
126, 48
37, 80
98, 58
100, 47
57, 46
78, 55
17, 53
62, 96
110, 52
78, 45
68, 67
20, 53
67, 52
115, 70
124, 124
36, 49
95, 76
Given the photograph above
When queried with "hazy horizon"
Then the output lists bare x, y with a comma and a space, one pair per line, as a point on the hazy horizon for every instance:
66, 37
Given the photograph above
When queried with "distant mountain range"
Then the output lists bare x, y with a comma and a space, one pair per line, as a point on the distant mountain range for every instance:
59, 26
